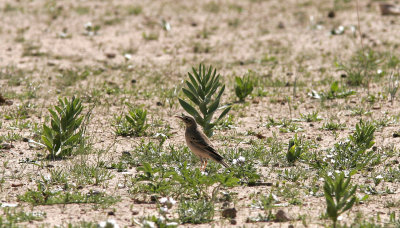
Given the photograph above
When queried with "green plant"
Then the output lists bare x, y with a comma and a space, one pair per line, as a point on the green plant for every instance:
243, 87
65, 131
339, 195
311, 117
354, 153
202, 91
295, 149
134, 123
337, 92
361, 68
332, 126
196, 211
393, 86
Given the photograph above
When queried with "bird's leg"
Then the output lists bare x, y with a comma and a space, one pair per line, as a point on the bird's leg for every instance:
202, 165
205, 164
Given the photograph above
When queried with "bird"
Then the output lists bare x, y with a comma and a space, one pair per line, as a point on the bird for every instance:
199, 143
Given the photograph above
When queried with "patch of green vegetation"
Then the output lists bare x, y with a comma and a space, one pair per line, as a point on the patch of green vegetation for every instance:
196, 211
243, 87
30, 49
90, 174
339, 195
150, 36
310, 117
212, 7
13, 216
361, 68
82, 10
334, 93
284, 125
297, 147
44, 196
134, 10
67, 128
355, 153
333, 126
132, 124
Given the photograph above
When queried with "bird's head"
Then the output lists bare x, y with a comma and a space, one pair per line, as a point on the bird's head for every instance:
189, 121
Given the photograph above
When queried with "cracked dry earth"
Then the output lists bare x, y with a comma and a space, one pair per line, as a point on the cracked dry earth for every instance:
113, 54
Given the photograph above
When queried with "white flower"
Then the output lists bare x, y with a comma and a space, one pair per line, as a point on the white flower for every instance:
172, 224
109, 223
88, 25
149, 224
128, 56
329, 174
379, 71
161, 219
164, 209
9, 204
241, 159
163, 200
172, 201
379, 177
234, 161
340, 218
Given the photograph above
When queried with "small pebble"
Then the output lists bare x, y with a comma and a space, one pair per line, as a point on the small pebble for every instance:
111, 213
229, 213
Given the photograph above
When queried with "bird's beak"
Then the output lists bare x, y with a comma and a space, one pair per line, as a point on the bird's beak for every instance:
180, 117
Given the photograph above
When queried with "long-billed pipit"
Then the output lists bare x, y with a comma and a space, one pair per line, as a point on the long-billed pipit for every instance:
199, 144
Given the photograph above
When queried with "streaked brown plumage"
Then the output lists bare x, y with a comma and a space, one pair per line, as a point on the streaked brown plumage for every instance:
199, 144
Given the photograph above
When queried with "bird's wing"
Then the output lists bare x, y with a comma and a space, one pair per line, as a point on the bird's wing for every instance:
204, 144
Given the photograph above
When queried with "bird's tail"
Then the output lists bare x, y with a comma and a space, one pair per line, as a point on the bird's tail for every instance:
222, 162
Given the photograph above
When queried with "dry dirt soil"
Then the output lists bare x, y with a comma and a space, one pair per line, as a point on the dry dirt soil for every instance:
115, 55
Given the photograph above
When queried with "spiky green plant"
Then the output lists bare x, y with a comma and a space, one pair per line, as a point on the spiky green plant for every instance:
295, 149
65, 131
202, 90
132, 124
339, 195
244, 86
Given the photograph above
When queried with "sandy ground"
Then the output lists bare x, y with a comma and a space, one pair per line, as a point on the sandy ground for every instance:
282, 40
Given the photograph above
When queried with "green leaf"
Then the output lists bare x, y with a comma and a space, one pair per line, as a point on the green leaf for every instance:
335, 87
224, 113
188, 108
191, 96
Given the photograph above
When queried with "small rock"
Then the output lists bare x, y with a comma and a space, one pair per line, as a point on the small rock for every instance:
50, 63
343, 75
331, 14
290, 226
159, 103
25, 140
126, 153
133, 81
15, 185
260, 136
396, 135
135, 212
110, 55
319, 138
111, 213
376, 107
281, 25
233, 221
229, 213
281, 216
255, 101
194, 24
